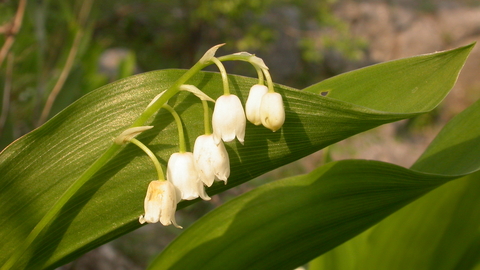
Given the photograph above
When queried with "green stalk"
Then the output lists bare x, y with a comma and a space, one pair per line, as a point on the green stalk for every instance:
259, 74
226, 89
168, 94
247, 58
181, 135
152, 156
206, 118
269, 81
235, 57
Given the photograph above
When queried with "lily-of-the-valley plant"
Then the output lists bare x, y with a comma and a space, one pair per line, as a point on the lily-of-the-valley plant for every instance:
189, 172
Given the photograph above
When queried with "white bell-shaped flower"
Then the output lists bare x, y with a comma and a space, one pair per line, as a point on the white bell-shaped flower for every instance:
272, 112
182, 172
252, 107
160, 204
228, 119
211, 160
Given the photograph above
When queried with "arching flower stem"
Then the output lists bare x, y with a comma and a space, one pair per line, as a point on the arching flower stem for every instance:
269, 81
221, 68
152, 156
260, 74
206, 118
181, 135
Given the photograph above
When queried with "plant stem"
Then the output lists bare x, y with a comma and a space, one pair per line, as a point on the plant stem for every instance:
234, 57
269, 81
226, 89
247, 58
260, 75
206, 118
152, 156
157, 105
181, 135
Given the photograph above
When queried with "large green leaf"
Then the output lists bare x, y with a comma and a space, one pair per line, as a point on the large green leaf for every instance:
440, 230
384, 86
437, 232
36, 169
287, 223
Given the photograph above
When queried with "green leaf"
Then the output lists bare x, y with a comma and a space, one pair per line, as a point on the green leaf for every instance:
440, 230
36, 169
387, 85
465, 132
287, 223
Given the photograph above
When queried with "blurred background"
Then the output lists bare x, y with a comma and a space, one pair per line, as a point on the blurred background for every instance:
52, 52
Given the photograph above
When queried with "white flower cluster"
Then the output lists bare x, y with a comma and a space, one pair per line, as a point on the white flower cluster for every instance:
188, 173
265, 108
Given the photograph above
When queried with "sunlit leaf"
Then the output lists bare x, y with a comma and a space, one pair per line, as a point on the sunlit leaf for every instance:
385, 86
440, 230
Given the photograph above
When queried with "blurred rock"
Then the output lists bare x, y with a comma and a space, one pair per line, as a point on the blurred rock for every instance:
394, 31
104, 258
111, 60
401, 30
459, 23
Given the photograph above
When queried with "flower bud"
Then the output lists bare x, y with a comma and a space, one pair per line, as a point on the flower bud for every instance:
211, 160
228, 119
160, 204
183, 174
272, 112
252, 107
